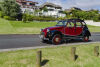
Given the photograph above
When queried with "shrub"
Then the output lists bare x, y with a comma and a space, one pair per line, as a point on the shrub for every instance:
30, 17
8, 18
24, 17
10, 8
27, 17
44, 18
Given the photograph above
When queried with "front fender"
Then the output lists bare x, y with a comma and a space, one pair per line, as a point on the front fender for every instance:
53, 32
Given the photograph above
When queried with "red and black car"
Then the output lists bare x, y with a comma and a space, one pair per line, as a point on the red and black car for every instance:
66, 29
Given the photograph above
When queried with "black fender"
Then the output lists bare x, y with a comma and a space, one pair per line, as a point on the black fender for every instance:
53, 32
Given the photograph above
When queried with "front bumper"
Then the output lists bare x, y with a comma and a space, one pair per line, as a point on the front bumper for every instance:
42, 36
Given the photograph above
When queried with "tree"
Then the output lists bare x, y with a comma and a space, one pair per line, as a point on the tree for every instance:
11, 8
27, 17
87, 15
96, 18
36, 12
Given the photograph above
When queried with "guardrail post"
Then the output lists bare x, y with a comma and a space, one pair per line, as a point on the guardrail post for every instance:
38, 58
73, 53
96, 51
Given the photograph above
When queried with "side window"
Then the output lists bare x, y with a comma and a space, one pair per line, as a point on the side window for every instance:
70, 24
65, 23
78, 24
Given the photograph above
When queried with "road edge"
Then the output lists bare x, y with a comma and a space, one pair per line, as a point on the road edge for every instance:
39, 47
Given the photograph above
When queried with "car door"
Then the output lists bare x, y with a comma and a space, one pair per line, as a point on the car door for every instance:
79, 28
70, 29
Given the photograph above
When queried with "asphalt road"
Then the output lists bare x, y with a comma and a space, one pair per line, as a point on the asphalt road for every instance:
20, 41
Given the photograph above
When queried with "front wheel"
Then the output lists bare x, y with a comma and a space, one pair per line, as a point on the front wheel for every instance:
56, 39
86, 38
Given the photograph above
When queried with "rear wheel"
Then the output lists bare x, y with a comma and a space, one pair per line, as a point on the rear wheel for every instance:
86, 38
56, 39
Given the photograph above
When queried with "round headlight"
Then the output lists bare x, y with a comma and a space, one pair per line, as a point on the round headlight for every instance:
41, 29
48, 30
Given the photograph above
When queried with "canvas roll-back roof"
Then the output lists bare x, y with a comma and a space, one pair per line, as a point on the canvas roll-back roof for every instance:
76, 20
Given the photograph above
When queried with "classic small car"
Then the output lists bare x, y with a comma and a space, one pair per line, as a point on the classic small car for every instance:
66, 29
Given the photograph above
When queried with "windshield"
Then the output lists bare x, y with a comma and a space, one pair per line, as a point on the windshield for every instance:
61, 23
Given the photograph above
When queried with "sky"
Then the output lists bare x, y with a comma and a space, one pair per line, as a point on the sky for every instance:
66, 4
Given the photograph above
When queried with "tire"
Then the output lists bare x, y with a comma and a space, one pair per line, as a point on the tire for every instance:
56, 39
86, 38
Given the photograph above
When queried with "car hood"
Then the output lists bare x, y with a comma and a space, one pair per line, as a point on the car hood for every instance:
53, 28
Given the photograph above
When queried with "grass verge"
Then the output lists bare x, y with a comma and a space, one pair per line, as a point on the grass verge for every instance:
31, 27
57, 57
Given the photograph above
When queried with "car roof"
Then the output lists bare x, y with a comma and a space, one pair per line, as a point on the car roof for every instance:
73, 20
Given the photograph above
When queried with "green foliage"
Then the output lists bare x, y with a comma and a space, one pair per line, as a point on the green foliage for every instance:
30, 17
0, 7
60, 18
27, 17
1, 14
44, 18
96, 18
37, 11
45, 9
11, 8
87, 15
95, 11
8, 18
24, 17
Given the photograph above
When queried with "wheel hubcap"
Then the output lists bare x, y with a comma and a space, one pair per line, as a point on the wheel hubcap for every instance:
57, 39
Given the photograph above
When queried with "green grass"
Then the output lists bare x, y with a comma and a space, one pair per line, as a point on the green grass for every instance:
57, 56
6, 27
31, 27
19, 27
94, 28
